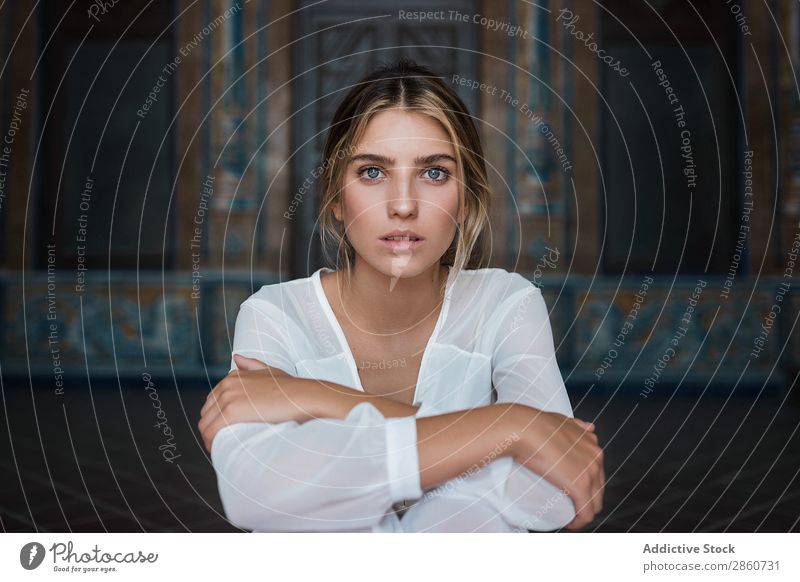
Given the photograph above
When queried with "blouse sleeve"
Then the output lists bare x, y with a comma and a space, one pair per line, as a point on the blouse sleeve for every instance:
321, 475
504, 495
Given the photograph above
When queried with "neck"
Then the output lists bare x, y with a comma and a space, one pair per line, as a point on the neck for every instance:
388, 304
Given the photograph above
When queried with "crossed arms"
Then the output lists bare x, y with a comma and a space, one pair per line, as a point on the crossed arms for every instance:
296, 454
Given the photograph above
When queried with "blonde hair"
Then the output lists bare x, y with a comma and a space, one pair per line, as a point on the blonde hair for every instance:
412, 87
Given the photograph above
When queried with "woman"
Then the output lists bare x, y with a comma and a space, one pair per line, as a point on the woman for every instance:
406, 390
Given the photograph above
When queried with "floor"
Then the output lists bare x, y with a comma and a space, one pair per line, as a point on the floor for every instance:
93, 460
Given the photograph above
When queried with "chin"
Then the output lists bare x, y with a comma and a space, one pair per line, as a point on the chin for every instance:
408, 267
404, 265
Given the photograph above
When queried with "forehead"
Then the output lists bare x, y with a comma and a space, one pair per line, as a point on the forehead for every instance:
396, 130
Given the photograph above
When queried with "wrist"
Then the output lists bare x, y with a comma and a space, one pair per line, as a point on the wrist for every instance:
518, 419
307, 396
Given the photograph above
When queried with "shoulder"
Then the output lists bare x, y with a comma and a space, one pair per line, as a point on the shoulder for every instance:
285, 300
497, 284
276, 293
482, 297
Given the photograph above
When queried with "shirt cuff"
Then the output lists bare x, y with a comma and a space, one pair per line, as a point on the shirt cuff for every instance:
402, 458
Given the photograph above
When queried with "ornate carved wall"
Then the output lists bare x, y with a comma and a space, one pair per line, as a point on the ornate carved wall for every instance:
248, 101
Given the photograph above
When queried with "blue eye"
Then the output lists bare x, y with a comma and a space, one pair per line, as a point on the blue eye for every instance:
438, 174
371, 172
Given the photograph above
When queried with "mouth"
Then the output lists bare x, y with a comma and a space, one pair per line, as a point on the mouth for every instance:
402, 237
402, 234
402, 242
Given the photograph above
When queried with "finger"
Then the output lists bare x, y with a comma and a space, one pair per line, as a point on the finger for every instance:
211, 431
222, 384
582, 512
601, 490
248, 363
572, 525
585, 425
208, 438
215, 393
209, 416
597, 498
211, 401
206, 442
576, 524
594, 471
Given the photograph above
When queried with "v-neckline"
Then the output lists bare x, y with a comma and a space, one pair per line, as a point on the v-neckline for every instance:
337, 327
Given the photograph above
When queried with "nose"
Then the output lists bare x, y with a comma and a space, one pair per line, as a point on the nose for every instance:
403, 197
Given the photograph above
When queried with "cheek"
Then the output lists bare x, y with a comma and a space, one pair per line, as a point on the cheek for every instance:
447, 207
443, 217
358, 209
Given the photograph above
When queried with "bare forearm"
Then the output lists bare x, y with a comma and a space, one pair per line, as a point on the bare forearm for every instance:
457, 442
331, 400
448, 444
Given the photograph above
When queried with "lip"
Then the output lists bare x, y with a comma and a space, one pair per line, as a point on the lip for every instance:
402, 245
403, 233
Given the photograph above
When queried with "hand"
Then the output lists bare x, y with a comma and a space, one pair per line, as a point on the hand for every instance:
564, 451
243, 363
253, 393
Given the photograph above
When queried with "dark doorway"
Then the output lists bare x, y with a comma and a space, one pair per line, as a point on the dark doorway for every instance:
670, 131
106, 166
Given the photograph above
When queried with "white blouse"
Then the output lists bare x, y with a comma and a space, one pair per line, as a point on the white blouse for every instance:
491, 343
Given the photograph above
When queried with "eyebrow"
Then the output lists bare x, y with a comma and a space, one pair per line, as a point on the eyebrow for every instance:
387, 161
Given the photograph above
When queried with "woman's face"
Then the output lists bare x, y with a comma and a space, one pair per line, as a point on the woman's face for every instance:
402, 178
